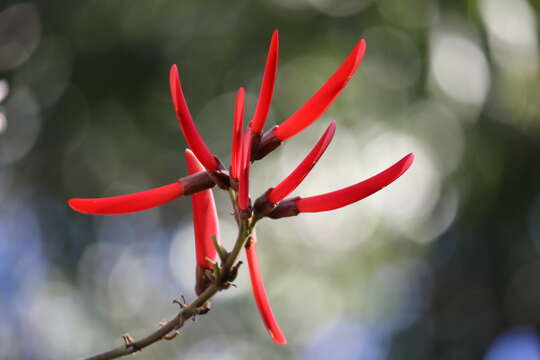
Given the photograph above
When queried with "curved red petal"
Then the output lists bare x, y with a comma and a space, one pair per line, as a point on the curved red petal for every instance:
261, 298
125, 204
354, 193
267, 86
243, 178
237, 133
191, 134
323, 98
205, 219
290, 183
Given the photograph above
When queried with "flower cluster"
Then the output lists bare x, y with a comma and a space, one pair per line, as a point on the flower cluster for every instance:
249, 144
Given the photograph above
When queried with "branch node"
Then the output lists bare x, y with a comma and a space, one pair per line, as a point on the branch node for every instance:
182, 302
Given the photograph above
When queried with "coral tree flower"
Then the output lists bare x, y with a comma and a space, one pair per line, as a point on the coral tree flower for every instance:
143, 200
238, 125
243, 180
267, 86
205, 171
315, 106
343, 197
259, 293
290, 183
205, 225
191, 134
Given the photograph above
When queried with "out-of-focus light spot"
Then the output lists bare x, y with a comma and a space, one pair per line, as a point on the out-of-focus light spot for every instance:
348, 339
102, 151
459, 68
136, 228
413, 195
95, 266
3, 122
47, 73
182, 257
7, 342
397, 294
19, 34
21, 262
522, 344
295, 314
393, 61
57, 303
438, 127
340, 8
512, 22
512, 33
412, 14
4, 89
24, 125
231, 349
439, 221
291, 4
128, 286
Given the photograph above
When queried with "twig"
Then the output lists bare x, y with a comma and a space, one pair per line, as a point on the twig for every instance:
227, 274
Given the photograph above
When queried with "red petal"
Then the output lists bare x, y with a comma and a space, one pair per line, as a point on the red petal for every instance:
354, 193
237, 133
290, 183
191, 134
267, 86
205, 219
326, 95
261, 298
243, 180
125, 204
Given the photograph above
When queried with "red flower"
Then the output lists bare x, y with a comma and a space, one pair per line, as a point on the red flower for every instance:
206, 171
315, 106
290, 183
143, 200
243, 179
343, 197
238, 125
205, 226
191, 134
267, 86
259, 293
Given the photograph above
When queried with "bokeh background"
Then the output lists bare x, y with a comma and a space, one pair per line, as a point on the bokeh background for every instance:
443, 264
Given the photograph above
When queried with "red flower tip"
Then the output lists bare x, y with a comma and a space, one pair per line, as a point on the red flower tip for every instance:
297, 176
237, 133
259, 293
191, 134
354, 193
125, 204
267, 86
323, 98
243, 178
205, 219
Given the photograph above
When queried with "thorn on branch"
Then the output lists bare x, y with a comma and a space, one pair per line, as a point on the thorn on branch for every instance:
172, 334
182, 302
203, 310
129, 342
234, 271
